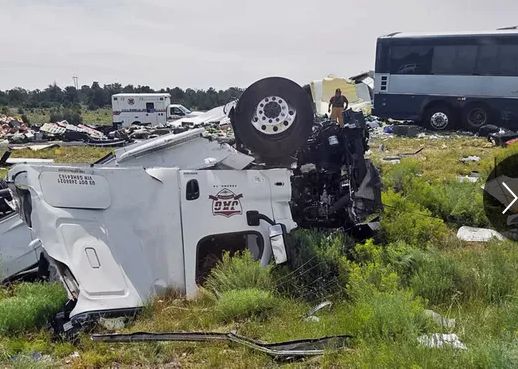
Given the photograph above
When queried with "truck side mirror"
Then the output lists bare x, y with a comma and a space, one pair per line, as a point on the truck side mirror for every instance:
252, 218
278, 243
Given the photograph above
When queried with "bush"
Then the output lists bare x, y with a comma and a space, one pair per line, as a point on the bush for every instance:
313, 269
394, 315
244, 303
404, 220
482, 275
454, 202
438, 279
240, 271
71, 116
380, 307
30, 306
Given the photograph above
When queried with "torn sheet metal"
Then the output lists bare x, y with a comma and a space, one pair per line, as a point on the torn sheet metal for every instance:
13, 161
473, 234
439, 340
216, 115
187, 150
281, 350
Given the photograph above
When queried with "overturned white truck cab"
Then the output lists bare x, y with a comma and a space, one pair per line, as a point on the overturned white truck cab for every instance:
159, 214
121, 235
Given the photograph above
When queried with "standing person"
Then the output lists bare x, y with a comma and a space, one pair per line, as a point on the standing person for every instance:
337, 102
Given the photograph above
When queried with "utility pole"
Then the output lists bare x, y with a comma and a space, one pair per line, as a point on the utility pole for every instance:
76, 82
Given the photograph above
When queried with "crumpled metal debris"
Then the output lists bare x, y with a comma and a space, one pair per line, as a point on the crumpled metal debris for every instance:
310, 315
286, 350
438, 340
14, 130
470, 159
473, 234
473, 177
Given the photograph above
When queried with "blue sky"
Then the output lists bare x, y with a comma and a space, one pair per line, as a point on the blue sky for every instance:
214, 43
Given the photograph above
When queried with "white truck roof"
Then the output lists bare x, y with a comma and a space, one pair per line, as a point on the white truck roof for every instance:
143, 95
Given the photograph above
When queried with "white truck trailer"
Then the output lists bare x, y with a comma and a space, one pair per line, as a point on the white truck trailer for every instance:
146, 109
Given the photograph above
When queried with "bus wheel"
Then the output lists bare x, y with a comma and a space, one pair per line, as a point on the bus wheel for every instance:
439, 118
476, 116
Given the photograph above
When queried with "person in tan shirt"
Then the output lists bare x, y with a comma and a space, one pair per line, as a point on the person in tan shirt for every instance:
337, 102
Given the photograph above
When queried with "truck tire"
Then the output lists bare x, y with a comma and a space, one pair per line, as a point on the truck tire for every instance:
439, 118
475, 116
273, 118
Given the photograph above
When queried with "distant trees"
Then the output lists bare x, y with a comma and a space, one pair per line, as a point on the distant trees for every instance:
93, 97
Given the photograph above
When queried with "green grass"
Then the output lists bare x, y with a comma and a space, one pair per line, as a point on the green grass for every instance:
236, 273
241, 304
379, 289
38, 116
30, 306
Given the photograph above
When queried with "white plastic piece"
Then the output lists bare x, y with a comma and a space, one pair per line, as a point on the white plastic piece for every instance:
473, 234
278, 245
439, 340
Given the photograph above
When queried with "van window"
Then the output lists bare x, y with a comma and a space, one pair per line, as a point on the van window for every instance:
177, 111
150, 107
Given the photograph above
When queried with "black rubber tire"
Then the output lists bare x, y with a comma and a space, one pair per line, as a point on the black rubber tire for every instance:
476, 116
273, 147
439, 109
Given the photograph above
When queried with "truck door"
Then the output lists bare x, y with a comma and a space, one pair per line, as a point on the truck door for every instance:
214, 203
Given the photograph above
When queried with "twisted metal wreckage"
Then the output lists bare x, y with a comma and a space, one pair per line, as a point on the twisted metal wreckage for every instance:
159, 214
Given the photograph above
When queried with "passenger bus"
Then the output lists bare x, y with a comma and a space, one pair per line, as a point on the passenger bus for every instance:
448, 81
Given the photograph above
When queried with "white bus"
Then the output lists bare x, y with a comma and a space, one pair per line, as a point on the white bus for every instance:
447, 81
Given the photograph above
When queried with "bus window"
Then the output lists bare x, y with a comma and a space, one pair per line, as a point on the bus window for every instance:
411, 59
508, 57
454, 59
487, 60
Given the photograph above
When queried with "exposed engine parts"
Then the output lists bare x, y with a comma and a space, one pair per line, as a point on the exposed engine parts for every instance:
333, 185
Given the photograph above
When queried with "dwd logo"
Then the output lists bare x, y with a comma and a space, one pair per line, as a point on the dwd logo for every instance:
226, 203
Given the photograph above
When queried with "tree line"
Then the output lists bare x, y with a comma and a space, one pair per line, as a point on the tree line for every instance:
94, 97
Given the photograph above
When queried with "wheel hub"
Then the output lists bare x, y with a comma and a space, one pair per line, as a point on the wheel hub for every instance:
477, 117
439, 120
273, 115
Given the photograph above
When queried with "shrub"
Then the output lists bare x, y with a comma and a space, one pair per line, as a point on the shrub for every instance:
238, 272
438, 278
404, 220
394, 315
244, 303
454, 202
313, 269
470, 274
398, 177
30, 306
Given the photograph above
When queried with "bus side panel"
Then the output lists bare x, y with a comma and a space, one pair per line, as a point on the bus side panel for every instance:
407, 96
